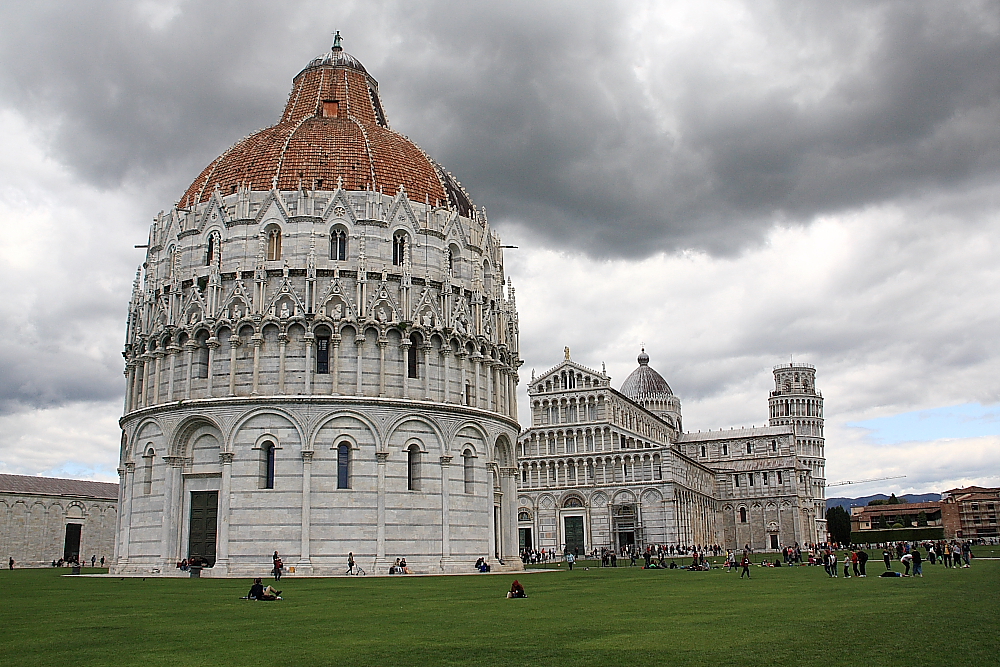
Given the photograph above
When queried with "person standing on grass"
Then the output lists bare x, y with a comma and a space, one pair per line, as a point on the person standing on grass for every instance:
746, 566
862, 562
854, 563
918, 571
276, 571
886, 557
570, 559
847, 565
967, 553
10, 563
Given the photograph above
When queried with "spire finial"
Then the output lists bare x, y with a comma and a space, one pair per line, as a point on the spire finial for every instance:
337, 42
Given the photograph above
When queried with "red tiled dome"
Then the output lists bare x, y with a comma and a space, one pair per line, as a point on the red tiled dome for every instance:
333, 127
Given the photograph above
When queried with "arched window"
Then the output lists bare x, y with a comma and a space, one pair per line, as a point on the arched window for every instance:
214, 255
399, 249
411, 356
451, 261
147, 471
171, 259
725, 450
743, 515
273, 243
779, 477
470, 471
703, 451
267, 466
523, 516
749, 448
343, 466
764, 477
736, 480
338, 245
413, 468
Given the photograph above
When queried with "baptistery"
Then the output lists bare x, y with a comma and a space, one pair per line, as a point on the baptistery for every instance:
321, 356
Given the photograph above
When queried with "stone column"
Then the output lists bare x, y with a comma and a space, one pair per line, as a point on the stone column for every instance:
172, 354
282, 351
170, 526
309, 339
304, 560
234, 343
118, 515
144, 399
126, 513
158, 355
488, 365
426, 348
474, 369
461, 355
380, 459
381, 366
445, 518
225, 491
359, 345
404, 346
446, 365
129, 385
258, 340
508, 517
213, 345
190, 346
335, 351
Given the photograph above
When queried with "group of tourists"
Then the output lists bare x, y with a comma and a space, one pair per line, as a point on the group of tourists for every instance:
399, 567
185, 565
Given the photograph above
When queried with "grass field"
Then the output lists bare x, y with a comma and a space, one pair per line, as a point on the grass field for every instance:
622, 616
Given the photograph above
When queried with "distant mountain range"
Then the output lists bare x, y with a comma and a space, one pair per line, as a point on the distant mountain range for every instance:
846, 503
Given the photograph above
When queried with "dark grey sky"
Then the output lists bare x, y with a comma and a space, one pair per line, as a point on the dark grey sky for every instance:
687, 129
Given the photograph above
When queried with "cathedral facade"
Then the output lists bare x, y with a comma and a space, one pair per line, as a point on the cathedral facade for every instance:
321, 356
601, 468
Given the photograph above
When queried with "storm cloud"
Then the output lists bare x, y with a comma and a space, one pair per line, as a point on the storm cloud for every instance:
688, 127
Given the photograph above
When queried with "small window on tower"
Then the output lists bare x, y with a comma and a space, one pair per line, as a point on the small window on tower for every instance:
323, 354
331, 108
273, 243
338, 245
399, 249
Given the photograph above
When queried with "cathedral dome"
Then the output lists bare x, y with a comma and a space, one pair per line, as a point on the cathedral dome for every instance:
333, 133
645, 384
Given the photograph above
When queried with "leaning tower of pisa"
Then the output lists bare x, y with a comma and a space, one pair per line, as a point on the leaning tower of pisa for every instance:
796, 402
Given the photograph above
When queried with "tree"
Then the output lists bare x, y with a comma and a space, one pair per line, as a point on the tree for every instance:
838, 524
922, 518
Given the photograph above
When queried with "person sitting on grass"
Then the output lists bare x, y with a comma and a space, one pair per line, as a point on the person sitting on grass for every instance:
517, 590
261, 592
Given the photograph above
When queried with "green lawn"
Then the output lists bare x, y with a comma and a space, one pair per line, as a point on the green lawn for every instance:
623, 616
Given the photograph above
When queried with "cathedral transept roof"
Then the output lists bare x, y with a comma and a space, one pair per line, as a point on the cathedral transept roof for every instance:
333, 131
